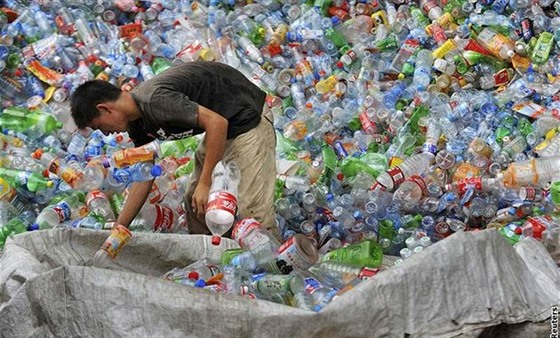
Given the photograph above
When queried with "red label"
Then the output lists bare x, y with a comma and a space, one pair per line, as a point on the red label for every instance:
501, 77
465, 183
428, 6
222, 201
155, 194
243, 227
396, 174
131, 30
367, 273
367, 124
164, 219
95, 194
530, 193
380, 139
377, 187
420, 182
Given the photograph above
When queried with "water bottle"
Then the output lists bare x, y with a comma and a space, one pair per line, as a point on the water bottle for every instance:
222, 199
423, 69
93, 222
533, 172
55, 214
338, 274
138, 172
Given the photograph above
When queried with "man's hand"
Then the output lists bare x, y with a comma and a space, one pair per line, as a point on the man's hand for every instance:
200, 199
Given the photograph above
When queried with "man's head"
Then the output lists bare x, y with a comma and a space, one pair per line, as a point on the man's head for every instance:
96, 104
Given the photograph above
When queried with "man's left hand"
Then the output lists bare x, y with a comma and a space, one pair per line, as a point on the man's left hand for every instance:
200, 199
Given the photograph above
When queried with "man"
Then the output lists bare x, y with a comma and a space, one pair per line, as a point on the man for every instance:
186, 100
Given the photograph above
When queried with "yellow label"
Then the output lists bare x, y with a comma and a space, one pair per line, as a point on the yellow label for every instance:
49, 93
445, 48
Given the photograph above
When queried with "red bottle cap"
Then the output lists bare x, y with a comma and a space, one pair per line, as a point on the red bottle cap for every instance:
216, 240
193, 275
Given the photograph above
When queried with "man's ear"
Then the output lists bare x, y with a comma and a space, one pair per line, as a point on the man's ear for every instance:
103, 107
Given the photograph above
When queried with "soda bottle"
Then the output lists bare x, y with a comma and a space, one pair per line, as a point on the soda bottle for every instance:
366, 253
16, 225
222, 200
155, 218
98, 203
119, 236
129, 156
250, 234
31, 181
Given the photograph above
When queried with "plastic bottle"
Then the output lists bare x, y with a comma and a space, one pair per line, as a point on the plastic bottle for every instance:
55, 214
98, 203
222, 201
338, 274
138, 172
129, 156
366, 253
16, 225
155, 218
119, 236
413, 165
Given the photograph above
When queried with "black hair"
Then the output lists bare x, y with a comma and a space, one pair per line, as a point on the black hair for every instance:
87, 96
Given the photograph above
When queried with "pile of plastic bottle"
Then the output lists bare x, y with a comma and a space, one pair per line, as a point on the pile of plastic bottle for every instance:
406, 121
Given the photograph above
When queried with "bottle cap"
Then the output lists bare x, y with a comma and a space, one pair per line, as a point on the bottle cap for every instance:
156, 170
216, 240
106, 163
33, 227
193, 275
200, 283
37, 153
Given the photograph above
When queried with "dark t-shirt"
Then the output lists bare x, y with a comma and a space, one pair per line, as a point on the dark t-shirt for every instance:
169, 101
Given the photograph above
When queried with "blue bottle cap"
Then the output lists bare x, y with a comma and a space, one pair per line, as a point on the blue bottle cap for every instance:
156, 170
33, 227
200, 283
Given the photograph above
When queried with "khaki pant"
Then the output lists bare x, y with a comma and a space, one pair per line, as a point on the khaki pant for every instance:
254, 152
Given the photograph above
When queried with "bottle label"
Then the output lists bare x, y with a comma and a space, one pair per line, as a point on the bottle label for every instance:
377, 187
155, 194
116, 241
63, 211
289, 257
222, 201
312, 285
164, 219
247, 235
419, 181
95, 194
54, 166
367, 124
367, 273
397, 176
502, 77
428, 6
529, 193
464, 184
130, 156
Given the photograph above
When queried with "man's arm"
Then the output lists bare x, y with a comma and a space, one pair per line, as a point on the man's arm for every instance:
216, 134
137, 195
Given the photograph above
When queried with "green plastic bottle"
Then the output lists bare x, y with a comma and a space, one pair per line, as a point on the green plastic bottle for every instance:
15, 226
228, 255
366, 253
25, 179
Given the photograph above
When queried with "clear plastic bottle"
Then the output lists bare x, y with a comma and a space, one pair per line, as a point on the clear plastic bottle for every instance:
222, 201
155, 218
98, 203
16, 225
339, 274
55, 214
533, 172
413, 165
